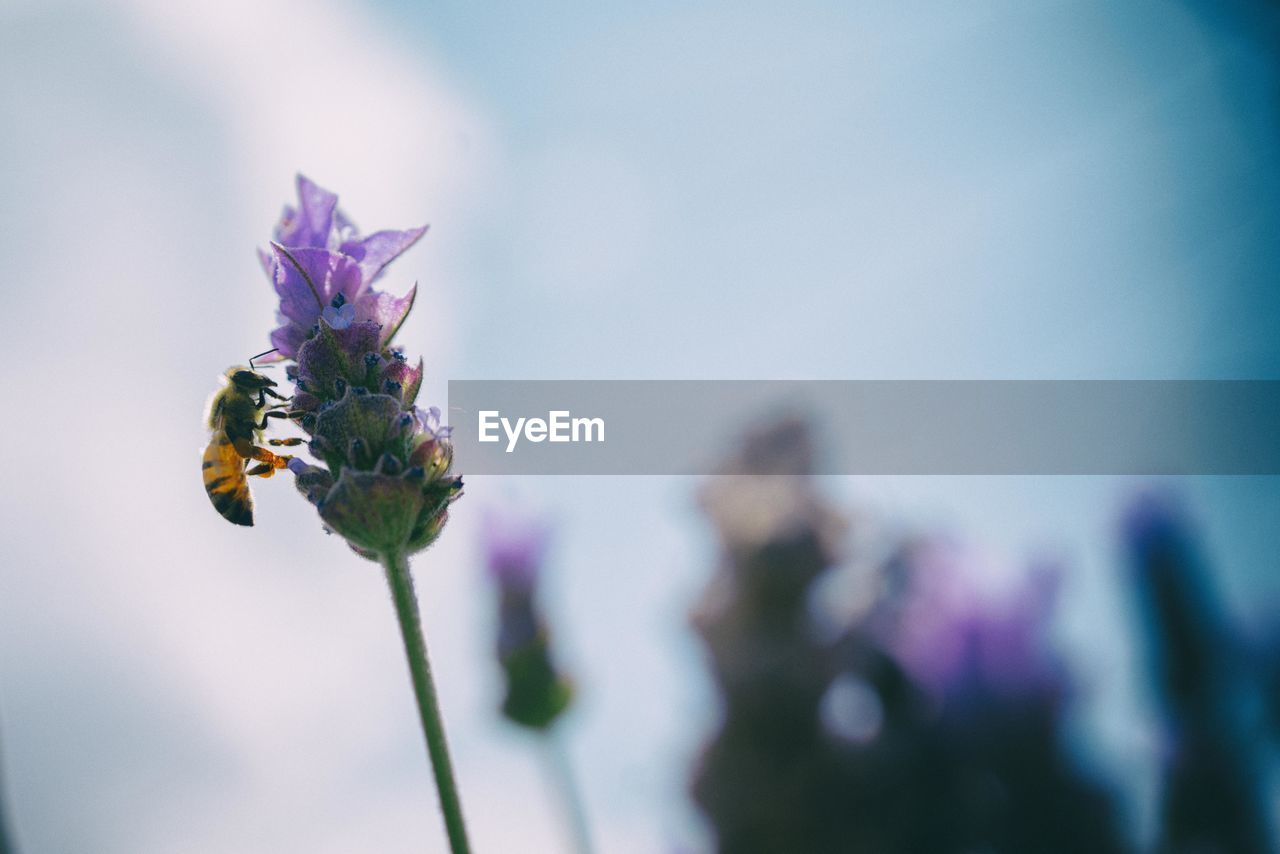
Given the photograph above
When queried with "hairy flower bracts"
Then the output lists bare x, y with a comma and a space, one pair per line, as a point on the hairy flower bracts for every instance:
536, 692
386, 484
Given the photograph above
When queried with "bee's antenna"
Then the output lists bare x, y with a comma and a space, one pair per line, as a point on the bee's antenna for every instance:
252, 367
306, 278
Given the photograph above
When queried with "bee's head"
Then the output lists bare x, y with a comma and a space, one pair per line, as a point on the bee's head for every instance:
247, 380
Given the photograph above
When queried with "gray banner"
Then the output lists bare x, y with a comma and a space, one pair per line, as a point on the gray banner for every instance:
1006, 427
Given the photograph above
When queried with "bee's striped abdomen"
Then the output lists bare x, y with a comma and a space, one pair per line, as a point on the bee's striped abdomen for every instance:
225, 480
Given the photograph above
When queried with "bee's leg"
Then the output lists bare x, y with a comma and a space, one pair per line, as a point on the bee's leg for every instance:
261, 470
275, 395
262, 398
275, 413
286, 442
250, 451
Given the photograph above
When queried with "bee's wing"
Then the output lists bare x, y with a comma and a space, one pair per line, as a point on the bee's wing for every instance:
225, 480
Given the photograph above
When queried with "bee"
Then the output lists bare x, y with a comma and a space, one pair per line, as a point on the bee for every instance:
238, 414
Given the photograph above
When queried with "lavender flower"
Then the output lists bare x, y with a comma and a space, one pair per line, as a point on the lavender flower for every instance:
384, 483
958, 646
985, 739
931, 721
514, 550
536, 692
766, 780
318, 255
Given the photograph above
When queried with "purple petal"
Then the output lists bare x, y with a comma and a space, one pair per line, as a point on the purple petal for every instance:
339, 318
345, 227
309, 285
271, 358
310, 224
288, 339
330, 315
378, 250
267, 260
386, 309
514, 547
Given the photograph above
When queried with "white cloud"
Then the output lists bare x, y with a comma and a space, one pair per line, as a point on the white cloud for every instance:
171, 684
319, 86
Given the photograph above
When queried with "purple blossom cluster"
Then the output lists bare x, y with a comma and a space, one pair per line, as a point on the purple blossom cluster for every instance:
318, 256
933, 720
384, 482
930, 722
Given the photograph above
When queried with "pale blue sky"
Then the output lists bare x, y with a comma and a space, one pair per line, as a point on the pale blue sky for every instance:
693, 190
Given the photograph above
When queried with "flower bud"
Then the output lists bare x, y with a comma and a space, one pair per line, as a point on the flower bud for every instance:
536, 692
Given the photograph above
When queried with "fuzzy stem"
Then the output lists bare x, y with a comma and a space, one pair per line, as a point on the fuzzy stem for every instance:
561, 769
415, 648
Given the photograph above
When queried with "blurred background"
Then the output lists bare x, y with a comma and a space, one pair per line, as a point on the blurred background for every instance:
684, 190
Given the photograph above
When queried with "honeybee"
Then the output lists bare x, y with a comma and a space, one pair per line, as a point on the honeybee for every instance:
238, 414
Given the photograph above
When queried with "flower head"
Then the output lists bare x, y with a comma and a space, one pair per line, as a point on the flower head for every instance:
925, 719
386, 486
537, 692
514, 547
318, 256
384, 483
964, 647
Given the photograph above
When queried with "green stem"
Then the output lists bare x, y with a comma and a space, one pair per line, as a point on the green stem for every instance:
562, 771
424, 688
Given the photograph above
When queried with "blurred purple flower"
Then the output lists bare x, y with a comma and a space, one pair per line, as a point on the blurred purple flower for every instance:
514, 548
318, 257
958, 644
929, 718
537, 693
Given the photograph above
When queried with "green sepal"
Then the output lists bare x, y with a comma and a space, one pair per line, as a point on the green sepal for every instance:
536, 694
375, 513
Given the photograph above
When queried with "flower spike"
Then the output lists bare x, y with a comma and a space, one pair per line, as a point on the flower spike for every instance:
383, 479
